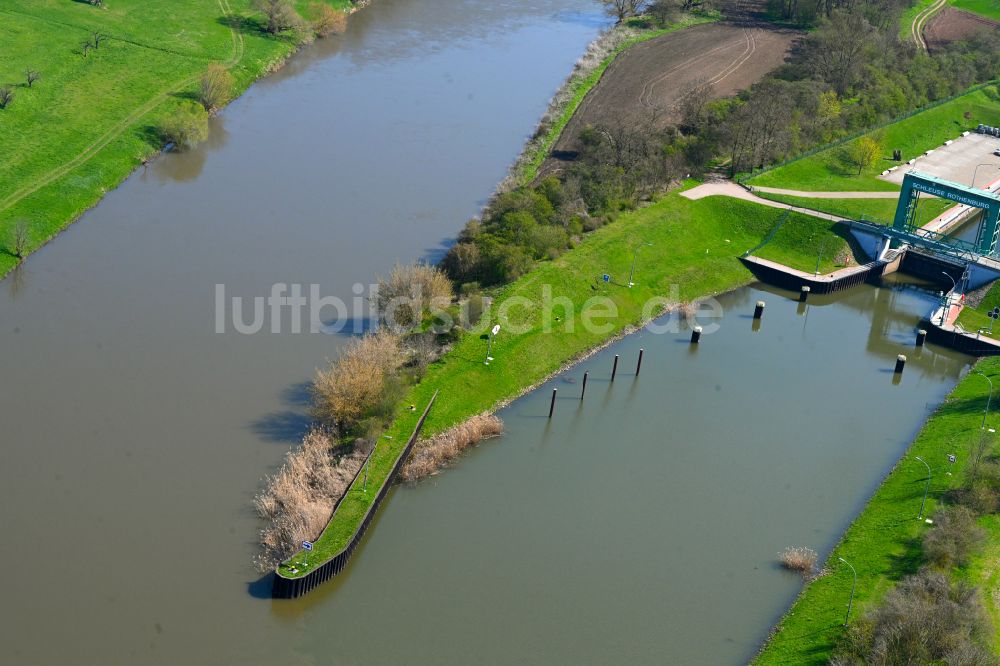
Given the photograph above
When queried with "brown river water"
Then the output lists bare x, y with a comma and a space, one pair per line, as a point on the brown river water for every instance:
640, 527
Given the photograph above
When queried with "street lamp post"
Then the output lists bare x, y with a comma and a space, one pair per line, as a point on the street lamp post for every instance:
989, 396
854, 585
822, 246
631, 273
982, 426
927, 487
947, 299
976, 171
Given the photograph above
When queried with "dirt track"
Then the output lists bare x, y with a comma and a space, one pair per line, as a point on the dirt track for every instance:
647, 82
952, 25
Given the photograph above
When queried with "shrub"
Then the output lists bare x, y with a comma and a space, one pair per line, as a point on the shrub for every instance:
953, 537
409, 290
216, 87
326, 20
982, 492
280, 15
462, 262
432, 454
355, 385
922, 620
6, 96
798, 559
423, 350
186, 127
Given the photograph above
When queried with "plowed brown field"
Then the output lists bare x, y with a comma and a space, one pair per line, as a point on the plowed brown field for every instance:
647, 82
952, 25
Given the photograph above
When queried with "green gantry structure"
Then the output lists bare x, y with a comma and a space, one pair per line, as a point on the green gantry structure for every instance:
904, 224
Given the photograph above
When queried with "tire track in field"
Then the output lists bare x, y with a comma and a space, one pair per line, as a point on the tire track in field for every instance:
917, 27
120, 127
736, 64
646, 93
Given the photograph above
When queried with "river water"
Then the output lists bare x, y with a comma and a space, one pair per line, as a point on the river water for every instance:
641, 526
133, 436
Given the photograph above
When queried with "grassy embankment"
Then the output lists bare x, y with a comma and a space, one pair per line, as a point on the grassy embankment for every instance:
89, 121
581, 84
883, 543
695, 246
830, 170
988, 8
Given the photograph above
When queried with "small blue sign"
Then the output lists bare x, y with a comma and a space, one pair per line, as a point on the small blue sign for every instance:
606, 277
307, 545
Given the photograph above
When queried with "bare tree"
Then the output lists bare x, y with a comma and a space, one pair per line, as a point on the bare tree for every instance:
665, 11
6, 96
839, 48
757, 130
623, 9
692, 105
20, 246
98, 38
31, 75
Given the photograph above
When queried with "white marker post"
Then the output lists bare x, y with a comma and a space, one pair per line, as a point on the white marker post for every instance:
489, 345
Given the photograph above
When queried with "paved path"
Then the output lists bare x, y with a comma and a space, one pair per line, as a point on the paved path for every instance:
892, 194
730, 189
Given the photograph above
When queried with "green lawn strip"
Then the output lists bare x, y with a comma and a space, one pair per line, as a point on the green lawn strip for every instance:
984, 572
909, 16
830, 170
883, 542
882, 210
581, 85
695, 246
988, 8
154, 52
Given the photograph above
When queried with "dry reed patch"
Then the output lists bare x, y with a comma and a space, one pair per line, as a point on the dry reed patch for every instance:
799, 559
298, 500
432, 454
